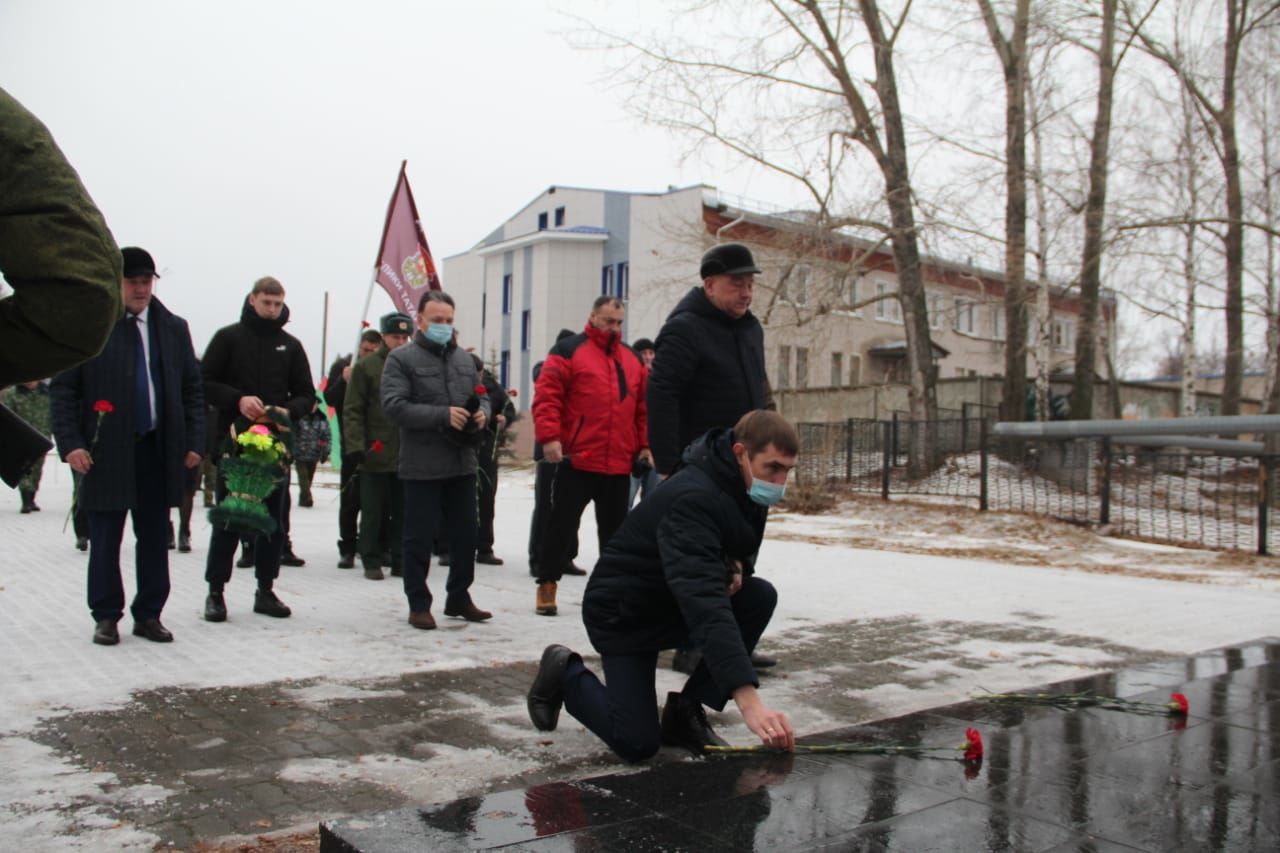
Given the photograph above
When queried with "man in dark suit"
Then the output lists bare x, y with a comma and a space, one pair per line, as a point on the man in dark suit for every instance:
132, 458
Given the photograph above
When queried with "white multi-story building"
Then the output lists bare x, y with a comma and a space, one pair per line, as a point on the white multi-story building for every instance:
541, 269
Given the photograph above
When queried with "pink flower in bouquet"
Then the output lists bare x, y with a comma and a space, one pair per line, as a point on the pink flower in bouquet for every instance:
259, 429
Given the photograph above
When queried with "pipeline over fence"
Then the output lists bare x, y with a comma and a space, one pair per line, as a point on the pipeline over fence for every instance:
1217, 493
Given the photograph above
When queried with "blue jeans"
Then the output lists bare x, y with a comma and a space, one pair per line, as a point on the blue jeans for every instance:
425, 502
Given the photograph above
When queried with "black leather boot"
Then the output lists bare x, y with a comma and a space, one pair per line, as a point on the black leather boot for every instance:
684, 723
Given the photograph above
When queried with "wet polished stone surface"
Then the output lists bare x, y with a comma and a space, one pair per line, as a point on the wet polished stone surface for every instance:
1051, 780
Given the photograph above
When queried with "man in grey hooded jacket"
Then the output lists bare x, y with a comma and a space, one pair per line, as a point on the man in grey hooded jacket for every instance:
431, 390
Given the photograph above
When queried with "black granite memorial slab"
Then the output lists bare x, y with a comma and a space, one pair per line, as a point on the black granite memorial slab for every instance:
1052, 779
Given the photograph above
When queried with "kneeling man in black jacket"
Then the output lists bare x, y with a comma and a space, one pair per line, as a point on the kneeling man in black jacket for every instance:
680, 572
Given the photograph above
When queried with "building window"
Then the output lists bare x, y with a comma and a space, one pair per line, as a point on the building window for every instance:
1064, 335
964, 316
504, 369
606, 280
888, 308
784, 367
800, 290
559, 216
542, 221
506, 294
847, 293
855, 370
997, 322
624, 280
936, 306
526, 329
802, 367
837, 369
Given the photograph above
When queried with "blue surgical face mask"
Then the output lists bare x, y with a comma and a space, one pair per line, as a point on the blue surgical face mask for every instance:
439, 333
765, 493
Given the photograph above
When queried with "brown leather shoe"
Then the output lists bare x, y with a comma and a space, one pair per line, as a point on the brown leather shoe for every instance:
422, 619
546, 602
469, 612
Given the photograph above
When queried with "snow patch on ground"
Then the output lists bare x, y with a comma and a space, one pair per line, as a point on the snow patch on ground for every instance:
447, 774
48, 804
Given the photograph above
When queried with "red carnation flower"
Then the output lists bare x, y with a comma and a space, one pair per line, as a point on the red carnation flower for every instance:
377, 445
103, 407
511, 392
972, 745
480, 390
364, 324
1178, 704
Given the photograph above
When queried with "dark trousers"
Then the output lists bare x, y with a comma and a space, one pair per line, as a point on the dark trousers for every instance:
190, 485
425, 502
623, 710
487, 485
79, 518
151, 532
267, 550
348, 506
306, 473
543, 478
570, 494
381, 518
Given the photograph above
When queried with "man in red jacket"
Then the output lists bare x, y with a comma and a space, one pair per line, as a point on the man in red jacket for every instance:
589, 416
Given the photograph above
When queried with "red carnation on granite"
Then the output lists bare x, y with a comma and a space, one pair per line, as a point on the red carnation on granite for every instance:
377, 445
1178, 704
972, 745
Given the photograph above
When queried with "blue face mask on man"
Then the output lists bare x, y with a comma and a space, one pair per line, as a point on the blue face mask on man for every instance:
761, 492
439, 333
765, 493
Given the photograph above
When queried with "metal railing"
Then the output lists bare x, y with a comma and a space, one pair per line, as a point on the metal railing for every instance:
1177, 496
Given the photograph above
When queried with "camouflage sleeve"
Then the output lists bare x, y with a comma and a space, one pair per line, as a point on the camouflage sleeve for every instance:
55, 252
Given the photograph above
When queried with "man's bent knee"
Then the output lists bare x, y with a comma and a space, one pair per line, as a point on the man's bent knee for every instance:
637, 749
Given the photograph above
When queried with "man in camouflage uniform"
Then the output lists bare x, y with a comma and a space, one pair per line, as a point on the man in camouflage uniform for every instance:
373, 442
30, 401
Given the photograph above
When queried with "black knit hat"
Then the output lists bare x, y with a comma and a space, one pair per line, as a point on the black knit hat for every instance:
137, 262
727, 259
642, 344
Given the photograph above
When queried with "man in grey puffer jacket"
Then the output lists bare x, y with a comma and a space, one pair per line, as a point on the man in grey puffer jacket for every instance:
429, 390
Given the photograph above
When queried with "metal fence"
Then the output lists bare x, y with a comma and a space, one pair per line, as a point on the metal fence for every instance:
1175, 496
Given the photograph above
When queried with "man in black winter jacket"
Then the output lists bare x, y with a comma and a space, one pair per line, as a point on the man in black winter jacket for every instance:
250, 367
680, 571
708, 368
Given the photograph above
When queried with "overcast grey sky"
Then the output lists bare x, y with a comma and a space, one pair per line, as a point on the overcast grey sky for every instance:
239, 139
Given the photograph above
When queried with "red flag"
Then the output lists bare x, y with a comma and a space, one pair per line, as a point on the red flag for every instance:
405, 265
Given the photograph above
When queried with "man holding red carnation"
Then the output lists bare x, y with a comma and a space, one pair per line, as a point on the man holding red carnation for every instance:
131, 422
428, 390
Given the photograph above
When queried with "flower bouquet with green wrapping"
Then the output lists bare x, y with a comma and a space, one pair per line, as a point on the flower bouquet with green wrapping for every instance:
257, 464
